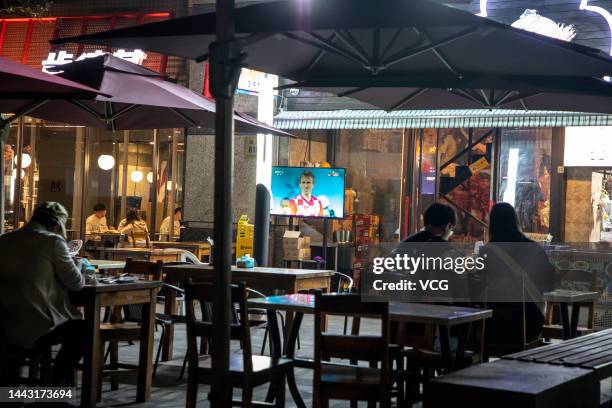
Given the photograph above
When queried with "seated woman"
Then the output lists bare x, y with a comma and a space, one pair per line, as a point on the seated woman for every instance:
134, 226
517, 272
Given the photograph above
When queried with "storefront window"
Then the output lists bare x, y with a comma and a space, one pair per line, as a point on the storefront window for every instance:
524, 176
372, 159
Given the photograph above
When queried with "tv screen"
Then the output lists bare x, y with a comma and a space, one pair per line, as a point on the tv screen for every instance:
315, 192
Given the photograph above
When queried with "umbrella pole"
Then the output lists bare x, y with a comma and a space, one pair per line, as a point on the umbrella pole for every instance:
224, 68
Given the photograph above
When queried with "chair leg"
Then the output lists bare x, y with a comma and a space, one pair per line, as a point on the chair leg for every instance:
192, 383
280, 392
184, 365
263, 344
247, 396
114, 347
159, 347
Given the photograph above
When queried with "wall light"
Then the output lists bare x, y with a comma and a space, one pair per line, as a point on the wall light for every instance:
106, 161
26, 160
150, 177
136, 176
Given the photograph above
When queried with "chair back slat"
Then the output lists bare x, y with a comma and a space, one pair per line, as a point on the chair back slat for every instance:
151, 270
368, 348
196, 327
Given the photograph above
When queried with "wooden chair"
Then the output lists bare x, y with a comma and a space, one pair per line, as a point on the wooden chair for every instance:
14, 358
588, 281
125, 328
351, 382
136, 235
247, 370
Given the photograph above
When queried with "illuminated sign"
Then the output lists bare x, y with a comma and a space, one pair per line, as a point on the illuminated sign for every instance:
589, 146
55, 59
584, 5
530, 20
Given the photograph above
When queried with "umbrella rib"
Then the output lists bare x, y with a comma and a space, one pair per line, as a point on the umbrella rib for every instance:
318, 57
123, 111
485, 97
391, 42
406, 54
352, 91
408, 98
27, 109
354, 46
438, 54
350, 51
519, 97
87, 109
184, 117
503, 98
325, 47
464, 94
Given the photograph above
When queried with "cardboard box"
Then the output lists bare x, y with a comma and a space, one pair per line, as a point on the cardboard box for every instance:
295, 240
297, 254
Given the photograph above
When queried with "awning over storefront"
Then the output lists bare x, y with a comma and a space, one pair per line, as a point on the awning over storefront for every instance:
411, 119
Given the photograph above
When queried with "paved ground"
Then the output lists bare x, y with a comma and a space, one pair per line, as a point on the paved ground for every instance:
169, 392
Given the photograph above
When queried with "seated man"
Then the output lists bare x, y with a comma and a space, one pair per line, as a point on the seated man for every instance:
164, 229
36, 275
96, 222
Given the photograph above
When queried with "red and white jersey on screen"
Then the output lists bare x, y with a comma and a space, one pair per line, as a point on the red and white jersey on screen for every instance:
306, 208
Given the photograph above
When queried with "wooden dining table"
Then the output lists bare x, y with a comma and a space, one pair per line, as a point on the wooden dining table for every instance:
93, 297
444, 317
147, 254
262, 279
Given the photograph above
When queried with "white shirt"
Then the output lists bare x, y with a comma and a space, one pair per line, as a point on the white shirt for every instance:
95, 224
164, 229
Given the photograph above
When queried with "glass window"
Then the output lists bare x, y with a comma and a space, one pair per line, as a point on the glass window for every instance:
524, 175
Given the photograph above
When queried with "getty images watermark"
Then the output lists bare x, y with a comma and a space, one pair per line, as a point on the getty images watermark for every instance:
457, 272
410, 265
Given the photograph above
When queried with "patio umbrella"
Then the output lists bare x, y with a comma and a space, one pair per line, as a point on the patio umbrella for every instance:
574, 94
141, 99
302, 39
23, 89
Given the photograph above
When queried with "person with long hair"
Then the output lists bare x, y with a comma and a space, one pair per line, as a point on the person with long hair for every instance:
517, 273
133, 223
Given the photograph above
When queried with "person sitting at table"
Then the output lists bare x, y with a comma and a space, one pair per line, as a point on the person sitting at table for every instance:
164, 229
517, 272
133, 224
96, 222
35, 279
439, 220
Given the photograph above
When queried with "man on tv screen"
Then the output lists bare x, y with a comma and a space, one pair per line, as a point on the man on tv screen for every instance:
305, 204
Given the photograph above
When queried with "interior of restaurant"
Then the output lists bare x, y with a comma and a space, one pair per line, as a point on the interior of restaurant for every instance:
81, 167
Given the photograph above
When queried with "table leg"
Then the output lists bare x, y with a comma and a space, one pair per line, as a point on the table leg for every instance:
290, 353
169, 308
92, 358
565, 320
464, 333
447, 358
574, 320
289, 316
275, 345
145, 356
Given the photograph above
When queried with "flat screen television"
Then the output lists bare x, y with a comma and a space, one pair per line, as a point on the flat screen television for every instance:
309, 192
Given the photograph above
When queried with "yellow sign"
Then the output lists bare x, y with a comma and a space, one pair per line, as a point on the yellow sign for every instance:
244, 238
479, 165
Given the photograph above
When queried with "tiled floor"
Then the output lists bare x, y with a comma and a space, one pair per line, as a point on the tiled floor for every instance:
169, 392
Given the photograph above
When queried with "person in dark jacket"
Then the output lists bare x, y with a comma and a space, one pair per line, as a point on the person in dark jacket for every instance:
439, 220
517, 273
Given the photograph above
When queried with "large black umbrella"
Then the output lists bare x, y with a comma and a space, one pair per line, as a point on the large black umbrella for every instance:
300, 39
574, 94
305, 39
